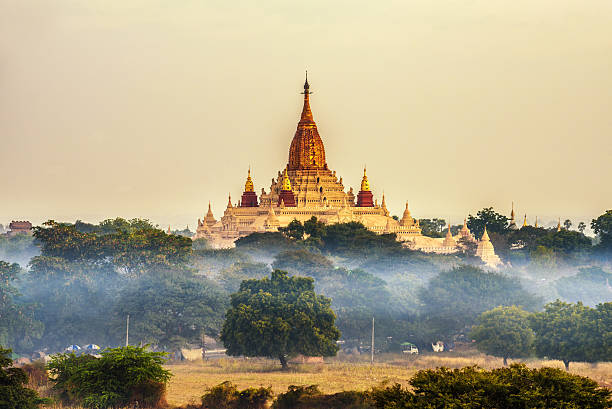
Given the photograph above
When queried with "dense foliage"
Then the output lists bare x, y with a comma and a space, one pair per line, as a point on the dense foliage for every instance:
454, 299
515, 387
13, 392
574, 332
18, 328
120, 377
505, 332
279, 317
227, 396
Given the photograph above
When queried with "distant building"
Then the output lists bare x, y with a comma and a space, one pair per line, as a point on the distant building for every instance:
19, 227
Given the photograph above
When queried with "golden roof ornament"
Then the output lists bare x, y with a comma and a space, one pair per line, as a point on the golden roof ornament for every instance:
365, 185
248, 186
229, 201
559, 225
525, 221
536, 222
286, 181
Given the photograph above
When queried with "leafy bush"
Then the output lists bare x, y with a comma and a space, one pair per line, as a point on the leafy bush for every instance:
227, 396
13, 393
514, 387
121, 376
309, 397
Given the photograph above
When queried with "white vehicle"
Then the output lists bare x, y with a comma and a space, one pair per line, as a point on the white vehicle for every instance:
409, 348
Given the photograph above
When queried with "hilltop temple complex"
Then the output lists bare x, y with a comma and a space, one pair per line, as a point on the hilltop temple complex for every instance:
307, 187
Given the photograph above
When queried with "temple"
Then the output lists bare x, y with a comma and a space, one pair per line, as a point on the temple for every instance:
307, 187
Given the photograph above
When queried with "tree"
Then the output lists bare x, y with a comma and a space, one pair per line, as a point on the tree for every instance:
432, 227
13, 393
602, 227
581, 227
504, 332
131, 246
495, 222
18, 327
565, 243
280, 317
127, 376
567, 224
453, 300
314, 227
294, 230
73, 300
570, 332
170, 309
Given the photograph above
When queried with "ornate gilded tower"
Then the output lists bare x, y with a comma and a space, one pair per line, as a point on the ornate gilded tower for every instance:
286, 197
313, 184
249, 197
365, 197
306, 151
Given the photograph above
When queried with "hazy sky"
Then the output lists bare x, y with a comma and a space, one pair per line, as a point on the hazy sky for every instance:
151, 108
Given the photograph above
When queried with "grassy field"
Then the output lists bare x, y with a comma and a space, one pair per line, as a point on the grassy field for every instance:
191, 379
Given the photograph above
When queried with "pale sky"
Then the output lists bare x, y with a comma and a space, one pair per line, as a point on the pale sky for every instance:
151, 108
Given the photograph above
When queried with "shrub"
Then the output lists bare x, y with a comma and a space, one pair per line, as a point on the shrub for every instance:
227, 396
121, 376
309, 397
13, 393
515, 387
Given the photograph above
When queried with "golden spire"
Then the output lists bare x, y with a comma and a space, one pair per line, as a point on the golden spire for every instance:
485, 235
248, 186
512, 212
286, 181
365, 185
525, 221
559, 225
306, 150
306, 112
448, 232
169, 231
229, 201
384, 204
536, 222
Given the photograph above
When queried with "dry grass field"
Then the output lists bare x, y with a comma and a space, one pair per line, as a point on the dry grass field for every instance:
191, 379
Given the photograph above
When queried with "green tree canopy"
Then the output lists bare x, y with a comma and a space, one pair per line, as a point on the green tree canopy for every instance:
565, 242
132, 246
495, 222
432, 227
18, 327
279, 317
13, 381
170, 309
294, 230
573, 332
454, 299
120, 377
602, 227
504, 332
